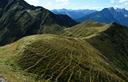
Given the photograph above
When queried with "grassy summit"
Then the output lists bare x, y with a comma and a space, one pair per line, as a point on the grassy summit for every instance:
57, 58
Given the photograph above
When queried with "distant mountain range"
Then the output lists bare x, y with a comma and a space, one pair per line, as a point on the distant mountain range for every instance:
107, 15
18, 19
75, 14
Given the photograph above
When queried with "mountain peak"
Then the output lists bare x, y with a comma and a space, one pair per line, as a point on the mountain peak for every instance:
109, 15
75, 14
109, 9
19, 19
3, 3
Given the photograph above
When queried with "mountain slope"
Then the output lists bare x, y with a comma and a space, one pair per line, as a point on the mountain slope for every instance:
113, 44
109, 39
74, 14
57, 58
87, 52
99, 57
18, 19
85, 29
108, 15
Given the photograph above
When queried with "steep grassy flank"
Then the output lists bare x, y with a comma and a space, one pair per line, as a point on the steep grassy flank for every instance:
113, 43
57, 58
9, 69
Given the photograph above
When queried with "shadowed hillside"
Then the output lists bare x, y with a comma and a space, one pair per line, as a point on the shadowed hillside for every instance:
18, 19
113, 44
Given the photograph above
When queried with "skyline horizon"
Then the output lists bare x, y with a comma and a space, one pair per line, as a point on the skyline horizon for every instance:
88, 9
81, 4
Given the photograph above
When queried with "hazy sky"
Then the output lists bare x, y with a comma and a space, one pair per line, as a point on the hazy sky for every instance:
79, 4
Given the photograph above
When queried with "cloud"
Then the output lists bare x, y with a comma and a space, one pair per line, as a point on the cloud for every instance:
112, 1
122, 1
119, 3
50, 4
62, 1
33, 2
72, 4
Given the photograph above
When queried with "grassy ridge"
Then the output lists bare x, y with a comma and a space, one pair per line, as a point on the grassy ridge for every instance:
110, 40
57, 58
85, 29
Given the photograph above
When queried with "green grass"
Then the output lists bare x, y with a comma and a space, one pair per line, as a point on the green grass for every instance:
9, 68
85, 29
57, 58
97, 56
54, 58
